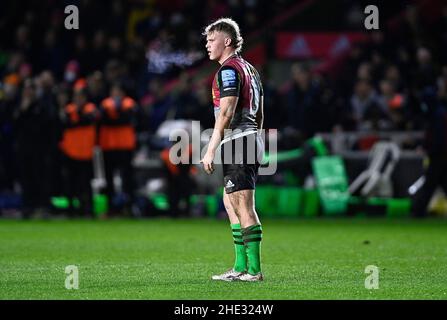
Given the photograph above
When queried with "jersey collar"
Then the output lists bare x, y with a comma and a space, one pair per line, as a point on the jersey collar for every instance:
232, 56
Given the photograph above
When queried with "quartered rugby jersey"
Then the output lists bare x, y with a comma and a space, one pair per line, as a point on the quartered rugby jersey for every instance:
237, 77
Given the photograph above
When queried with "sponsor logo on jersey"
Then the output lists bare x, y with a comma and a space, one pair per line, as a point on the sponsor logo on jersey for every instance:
228, 78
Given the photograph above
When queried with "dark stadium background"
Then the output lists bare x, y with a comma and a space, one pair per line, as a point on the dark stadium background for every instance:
317, 62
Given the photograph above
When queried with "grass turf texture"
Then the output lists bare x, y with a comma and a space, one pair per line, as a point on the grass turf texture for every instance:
174, 259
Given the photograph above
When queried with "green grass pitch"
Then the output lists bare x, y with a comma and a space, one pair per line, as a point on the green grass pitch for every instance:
174, 259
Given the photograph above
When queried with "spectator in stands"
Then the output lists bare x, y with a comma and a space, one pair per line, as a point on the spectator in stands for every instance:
82, 53
156, 104
424, 75
184, 104
113, 71
302, 101
71, 72
393, 104
51, 55
272, 103
365, 110
22, 41
411, 30
392, 74
364, 71
98, 50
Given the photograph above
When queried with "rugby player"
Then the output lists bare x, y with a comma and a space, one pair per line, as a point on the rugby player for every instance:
238, 108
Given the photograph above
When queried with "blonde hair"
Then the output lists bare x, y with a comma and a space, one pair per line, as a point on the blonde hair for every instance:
230, 27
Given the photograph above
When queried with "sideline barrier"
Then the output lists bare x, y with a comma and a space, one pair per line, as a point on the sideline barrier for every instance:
100, 203
275, 201
332, 183
389, 207
272, 201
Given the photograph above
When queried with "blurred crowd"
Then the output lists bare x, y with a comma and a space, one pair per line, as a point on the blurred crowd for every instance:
62, 92
394, 82
108, 84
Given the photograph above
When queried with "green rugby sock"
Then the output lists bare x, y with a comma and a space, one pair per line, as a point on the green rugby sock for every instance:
252, 237
240, 262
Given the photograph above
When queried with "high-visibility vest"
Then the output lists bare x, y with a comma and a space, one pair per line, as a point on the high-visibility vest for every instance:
78, 140
174, 169
117, 136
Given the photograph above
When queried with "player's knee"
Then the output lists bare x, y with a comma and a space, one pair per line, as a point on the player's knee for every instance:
230, 209
227, 204
246, 212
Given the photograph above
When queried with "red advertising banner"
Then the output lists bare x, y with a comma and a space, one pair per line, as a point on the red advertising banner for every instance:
293, 45
256, 55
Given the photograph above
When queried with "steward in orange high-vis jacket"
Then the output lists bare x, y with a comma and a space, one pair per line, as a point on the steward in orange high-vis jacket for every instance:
180, 184
78, 140
117, 140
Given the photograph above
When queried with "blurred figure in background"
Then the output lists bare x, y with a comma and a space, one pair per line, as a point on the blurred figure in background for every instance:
302, 101
79, 138
436, 149
366, 111
184, 104
96, 87
157, 104
180, 185
47, 97
393, 104
33, 130
205, 114
117, 140
311, 105
9, 99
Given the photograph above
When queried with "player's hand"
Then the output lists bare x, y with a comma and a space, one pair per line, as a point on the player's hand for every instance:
207, 162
